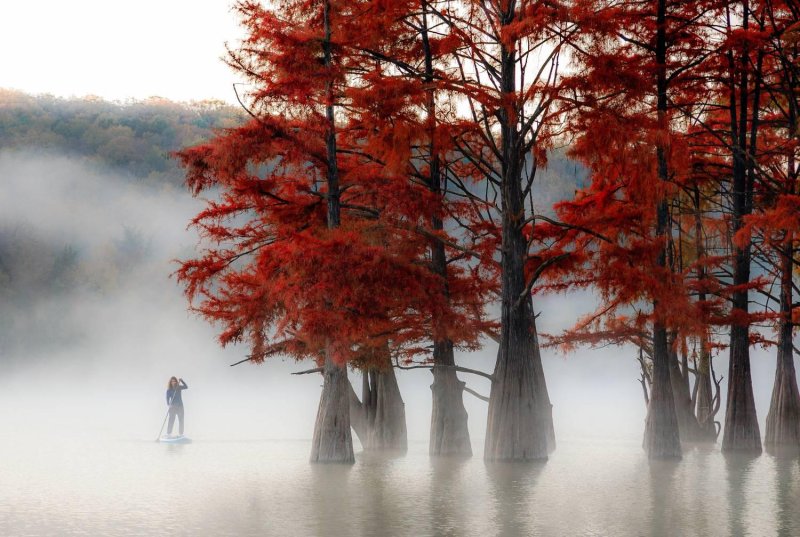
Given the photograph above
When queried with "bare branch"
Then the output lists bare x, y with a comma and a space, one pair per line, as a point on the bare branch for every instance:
308, 371
456, 367
476, 394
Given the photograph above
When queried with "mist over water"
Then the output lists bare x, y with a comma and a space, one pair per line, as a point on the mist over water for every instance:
83, 373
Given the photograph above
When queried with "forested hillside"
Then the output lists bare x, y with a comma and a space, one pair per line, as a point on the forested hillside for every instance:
134, 137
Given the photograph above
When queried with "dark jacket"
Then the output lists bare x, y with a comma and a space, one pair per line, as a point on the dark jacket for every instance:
174, 396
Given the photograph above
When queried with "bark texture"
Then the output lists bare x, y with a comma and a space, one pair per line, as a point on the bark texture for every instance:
379, 419
783, 419
544, 404
661, 433
517, 427
332, 440
688, 426
449, 431
704, 400
741, 422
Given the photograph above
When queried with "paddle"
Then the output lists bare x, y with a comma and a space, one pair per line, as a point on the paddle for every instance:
165, 416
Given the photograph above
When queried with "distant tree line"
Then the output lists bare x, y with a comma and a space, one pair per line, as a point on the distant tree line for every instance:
134, 137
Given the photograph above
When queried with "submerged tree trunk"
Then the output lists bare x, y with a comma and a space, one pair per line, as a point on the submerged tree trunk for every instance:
687, 422
661, 432
332, 440
544, 404
379, 419
517, 426
783, 420
449, 431
706, 404
704, 401
741, 422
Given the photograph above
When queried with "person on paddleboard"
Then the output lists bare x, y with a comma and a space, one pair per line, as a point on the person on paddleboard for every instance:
175, 402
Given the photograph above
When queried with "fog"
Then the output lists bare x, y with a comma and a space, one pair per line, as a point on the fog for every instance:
128, 327
87, 365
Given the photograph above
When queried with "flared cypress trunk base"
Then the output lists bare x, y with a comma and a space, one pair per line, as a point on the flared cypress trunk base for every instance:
688, 425
783, 419
380, 419
332, 442
661, 433
544, 405
741, 422
449, 430
704, 410
516, 429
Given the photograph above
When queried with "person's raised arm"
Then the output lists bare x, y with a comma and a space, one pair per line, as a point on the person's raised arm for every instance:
183, 384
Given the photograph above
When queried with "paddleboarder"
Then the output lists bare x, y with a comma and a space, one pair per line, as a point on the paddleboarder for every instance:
175, 402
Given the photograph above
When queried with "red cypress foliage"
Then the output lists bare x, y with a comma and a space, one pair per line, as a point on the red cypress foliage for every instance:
272, 272
771, 227
638, 63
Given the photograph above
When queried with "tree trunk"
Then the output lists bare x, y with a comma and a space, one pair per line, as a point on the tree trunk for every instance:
517, 425
687, 422
704, 398
449, 431
783, 419
544, 404
332, 439
741, 422
704, 406
379, 419
661, 433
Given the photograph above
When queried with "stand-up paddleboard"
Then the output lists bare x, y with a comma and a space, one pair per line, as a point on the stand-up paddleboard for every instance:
180, 439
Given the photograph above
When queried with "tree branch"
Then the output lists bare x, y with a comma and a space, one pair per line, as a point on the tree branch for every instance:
456, 367
476, 394
308, 371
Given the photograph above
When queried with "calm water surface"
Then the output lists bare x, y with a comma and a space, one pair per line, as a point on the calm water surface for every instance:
97, 485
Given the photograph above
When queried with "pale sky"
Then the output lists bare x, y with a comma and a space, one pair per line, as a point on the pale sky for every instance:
118, 50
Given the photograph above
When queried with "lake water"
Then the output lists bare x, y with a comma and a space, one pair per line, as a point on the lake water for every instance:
97, 484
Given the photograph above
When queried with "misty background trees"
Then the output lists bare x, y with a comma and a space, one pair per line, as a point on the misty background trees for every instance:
114, 155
